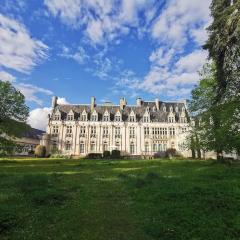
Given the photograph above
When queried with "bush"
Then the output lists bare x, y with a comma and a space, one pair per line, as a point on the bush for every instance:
116, 154
171, 152
94, 156
106, 154
40, 151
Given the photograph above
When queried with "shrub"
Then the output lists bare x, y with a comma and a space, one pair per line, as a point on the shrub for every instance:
106, 154
94, 156
116, 154
40, 151
171, 152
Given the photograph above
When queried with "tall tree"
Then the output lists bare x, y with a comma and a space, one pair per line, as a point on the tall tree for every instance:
224, 47
13, 116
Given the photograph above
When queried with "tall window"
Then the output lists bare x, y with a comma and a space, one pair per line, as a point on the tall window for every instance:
171, 119
172, 131
84, 117
117, 132
117, 146
146, 131
94, 117
146, 147
92, 146
82, 147
146, 119
155, 148
131, 118
82, 130
105, 131
105, 146
93, 131
183, 119
132, 148
132, 132
69, 129
55, 129
68, 145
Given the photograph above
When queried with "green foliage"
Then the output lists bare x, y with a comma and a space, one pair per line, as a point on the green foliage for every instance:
13, 115
40, 151
171, 152
127, 199
106, 154
94, 156
224, 48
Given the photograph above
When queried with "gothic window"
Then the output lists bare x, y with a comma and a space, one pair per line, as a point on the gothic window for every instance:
105, 131
183, 119
171, 119
132, 117
106, 117
117, 146
93, 131
171, 109
94, 117
70, 117
146, 119
56, 117
176, 109
84, 117
82, 131
117, 118
105, 146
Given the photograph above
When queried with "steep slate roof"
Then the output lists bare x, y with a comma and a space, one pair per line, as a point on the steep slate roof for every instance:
155, 115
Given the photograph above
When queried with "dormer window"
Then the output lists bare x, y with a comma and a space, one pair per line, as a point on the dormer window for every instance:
171, 119
57, 116
176, 109
118, 117
164, 108
171, 109
84, 116
106, 117
94, 117
132, 117
146, 117
70, 117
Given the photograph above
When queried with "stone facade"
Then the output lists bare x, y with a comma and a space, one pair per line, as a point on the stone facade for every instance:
146, 128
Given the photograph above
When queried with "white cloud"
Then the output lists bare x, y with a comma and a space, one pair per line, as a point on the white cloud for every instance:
38, 118
18, 50
79, 56
101, 20
30, 92
62, 100
5, 76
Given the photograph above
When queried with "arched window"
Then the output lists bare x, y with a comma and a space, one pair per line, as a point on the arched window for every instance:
146, 147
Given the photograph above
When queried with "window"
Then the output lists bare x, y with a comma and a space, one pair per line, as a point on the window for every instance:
56, 117
105, 131
54, 146
94, 117
82, 131
164, 109
117, 132
117, 118
117, 146
171, 109
93, 131
69, 129
68, 146
132, 148
105, 146
82, 147
176, 109
92, 146
106, 118
145, 118
171, 119
131, 118
155, 147
84, 117
146, 147
146, 131
132, 132
172, 131
55, 129
70, 117
183, 120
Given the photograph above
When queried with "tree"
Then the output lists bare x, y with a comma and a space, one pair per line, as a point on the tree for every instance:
216, 125
224, 48
13, 116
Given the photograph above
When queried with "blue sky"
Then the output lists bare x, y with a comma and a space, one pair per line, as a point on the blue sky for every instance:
78, 48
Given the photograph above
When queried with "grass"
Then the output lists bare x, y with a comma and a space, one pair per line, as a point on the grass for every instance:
118, 200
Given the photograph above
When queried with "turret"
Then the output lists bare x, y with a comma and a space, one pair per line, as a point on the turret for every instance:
93, 103
54, 101
123, 103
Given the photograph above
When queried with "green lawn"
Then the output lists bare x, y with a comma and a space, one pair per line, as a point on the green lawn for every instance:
119, 200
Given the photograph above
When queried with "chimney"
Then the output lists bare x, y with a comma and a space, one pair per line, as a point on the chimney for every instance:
157, 103
139, 102
54, 101
93, 103
123, 103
